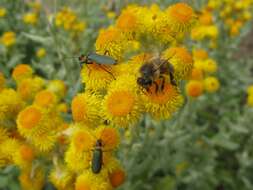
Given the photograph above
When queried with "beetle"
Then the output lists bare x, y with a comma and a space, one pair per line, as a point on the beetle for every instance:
97, 157
100, 60
96, 58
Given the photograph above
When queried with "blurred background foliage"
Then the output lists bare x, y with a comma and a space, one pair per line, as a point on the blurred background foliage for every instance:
208, 144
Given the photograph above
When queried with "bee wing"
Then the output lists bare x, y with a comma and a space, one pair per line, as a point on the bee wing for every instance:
102, 59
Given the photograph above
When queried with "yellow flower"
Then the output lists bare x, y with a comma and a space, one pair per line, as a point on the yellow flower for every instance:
24, 156
128, 23
79, 27
162, 104
29, 87
7, 150
2, 12
210, 66
90, 181
2, 81
109, 136
111, 15
30, 18
180, 17
58, 87
132, 66
33, 179
250, 100
86, 109
39, 127
182, 61
79, 155
45, 98
97, 77
212, 84
194, 88
112, 42
117, 177
3, 134
250, 90
76, 160
10, 105
206, 18
61, 178
247, 15
200, 54
21, 72
121, 104
41, 52
8, 39
197, 74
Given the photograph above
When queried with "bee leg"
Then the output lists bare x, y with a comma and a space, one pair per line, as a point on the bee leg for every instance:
163, 82
171, 73
172, 79
156, 87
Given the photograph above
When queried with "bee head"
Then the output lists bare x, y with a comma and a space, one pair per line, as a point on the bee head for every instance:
144, 82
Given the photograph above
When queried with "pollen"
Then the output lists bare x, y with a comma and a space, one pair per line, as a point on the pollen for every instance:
162, 104
29, 117
167, 94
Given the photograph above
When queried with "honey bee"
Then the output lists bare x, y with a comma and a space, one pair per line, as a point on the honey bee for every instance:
153, 70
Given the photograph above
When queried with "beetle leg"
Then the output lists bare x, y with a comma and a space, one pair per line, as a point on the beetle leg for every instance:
107, 52
107, 71
89, 70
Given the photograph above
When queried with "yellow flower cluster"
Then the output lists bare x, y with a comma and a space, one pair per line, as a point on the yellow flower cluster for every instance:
3, 12
8, 39
150, 24
206, 29
67, 19
201, 78
233, 13
30, 123
114, 97
32, 17
250, 96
